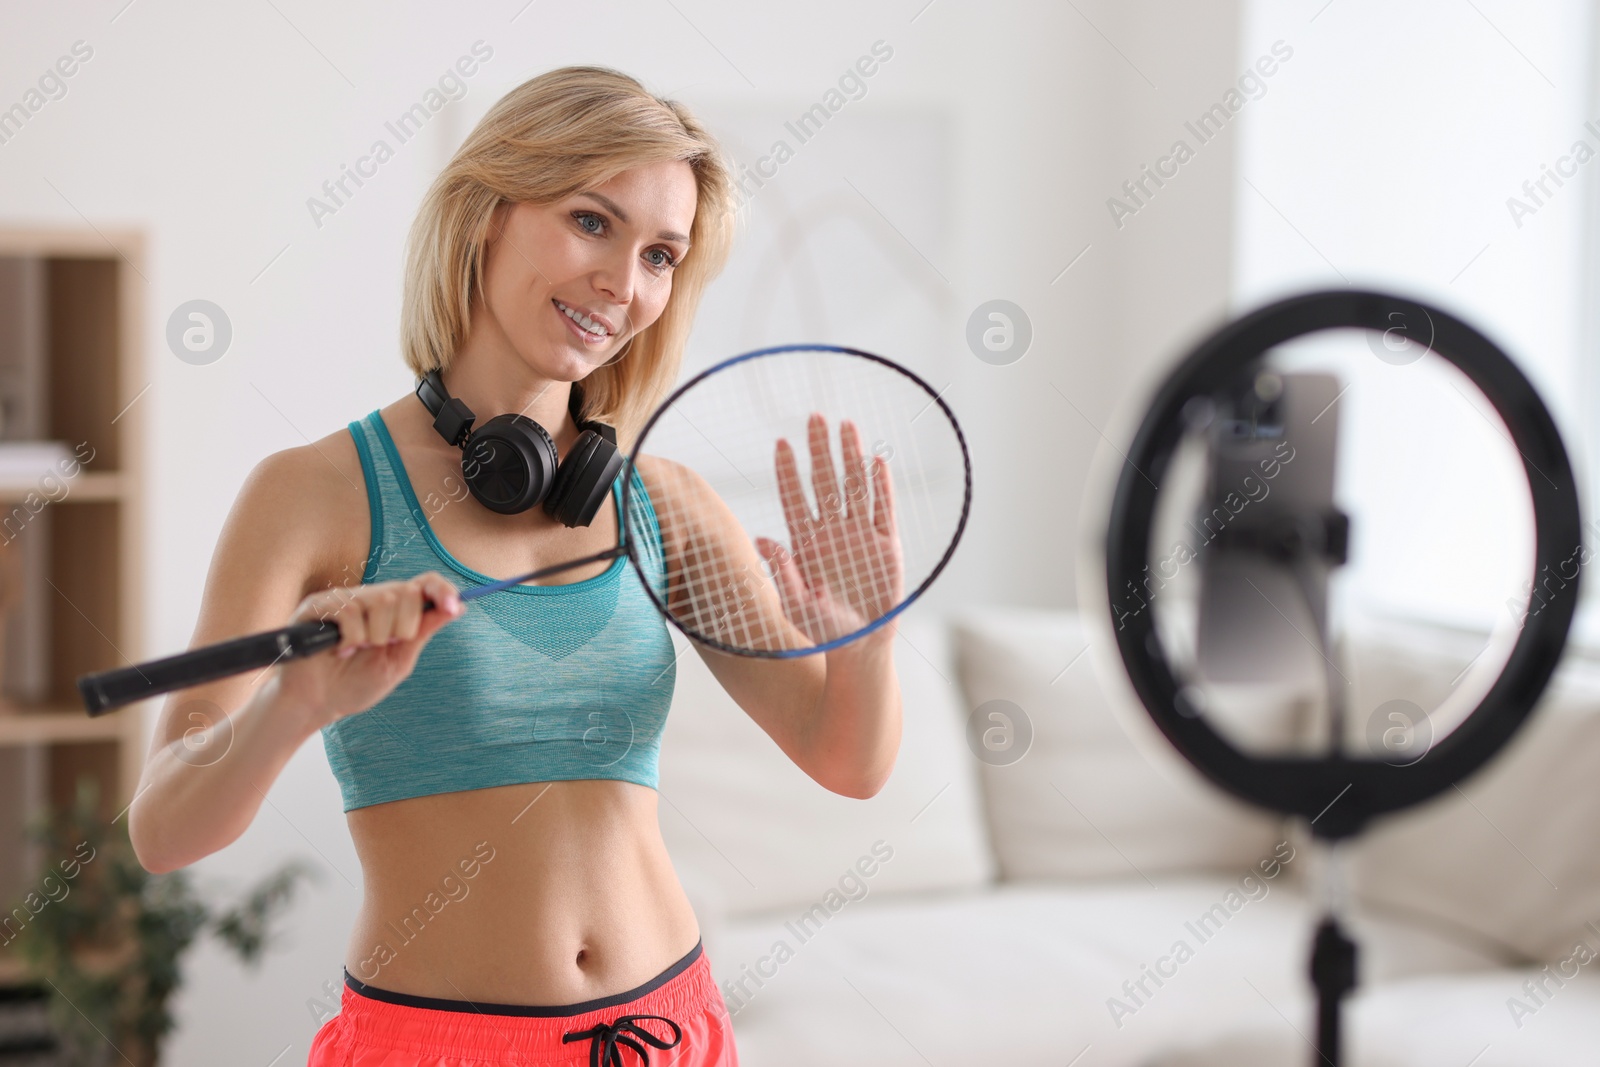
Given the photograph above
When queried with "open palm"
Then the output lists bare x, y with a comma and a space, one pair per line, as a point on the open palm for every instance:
842, 569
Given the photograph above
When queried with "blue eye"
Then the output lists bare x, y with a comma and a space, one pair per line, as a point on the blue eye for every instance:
665, 261
584, 216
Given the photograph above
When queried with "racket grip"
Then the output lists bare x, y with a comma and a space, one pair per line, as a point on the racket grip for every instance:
107, 690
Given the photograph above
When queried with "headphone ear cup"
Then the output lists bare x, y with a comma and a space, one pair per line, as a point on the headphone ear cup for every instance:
509, 463
584, 480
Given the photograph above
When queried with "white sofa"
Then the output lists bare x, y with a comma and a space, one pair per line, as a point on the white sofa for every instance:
1021, 914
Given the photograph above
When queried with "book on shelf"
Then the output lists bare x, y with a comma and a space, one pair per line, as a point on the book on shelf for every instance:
30, 464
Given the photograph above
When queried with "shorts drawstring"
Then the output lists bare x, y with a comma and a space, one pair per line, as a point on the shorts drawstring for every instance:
604, 1051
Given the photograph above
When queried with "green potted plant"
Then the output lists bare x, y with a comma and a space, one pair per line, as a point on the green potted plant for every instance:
105, 936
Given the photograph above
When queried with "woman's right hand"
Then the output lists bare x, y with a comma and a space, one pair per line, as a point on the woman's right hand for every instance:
382, 628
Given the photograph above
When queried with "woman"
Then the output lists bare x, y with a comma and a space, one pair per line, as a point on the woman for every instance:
519, 904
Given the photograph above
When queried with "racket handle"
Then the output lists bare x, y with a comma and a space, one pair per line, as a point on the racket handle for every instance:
107, 690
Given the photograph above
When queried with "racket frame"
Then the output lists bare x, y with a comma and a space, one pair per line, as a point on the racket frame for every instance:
826, 646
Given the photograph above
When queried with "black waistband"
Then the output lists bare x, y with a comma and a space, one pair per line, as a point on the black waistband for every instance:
411, 1000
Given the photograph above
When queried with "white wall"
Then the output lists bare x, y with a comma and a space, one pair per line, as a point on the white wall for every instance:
209, 127
1386, 159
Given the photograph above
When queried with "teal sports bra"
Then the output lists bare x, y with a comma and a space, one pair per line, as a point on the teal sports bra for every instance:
531, 684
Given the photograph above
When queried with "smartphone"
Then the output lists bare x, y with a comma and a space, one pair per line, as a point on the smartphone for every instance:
1270, 468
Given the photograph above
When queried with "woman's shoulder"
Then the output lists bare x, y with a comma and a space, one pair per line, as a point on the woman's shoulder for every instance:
320, 472
670, 486
658, 472
309, 500
682, 500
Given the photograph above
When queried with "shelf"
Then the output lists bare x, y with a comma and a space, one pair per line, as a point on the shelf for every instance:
74, 323
101, 485
58, 724
102, 243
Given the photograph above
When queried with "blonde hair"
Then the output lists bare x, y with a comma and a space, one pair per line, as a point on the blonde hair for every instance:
555, 135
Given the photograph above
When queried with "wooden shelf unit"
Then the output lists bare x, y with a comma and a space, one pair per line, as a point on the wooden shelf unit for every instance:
94, 371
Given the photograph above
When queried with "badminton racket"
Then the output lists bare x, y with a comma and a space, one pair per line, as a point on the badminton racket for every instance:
800, 496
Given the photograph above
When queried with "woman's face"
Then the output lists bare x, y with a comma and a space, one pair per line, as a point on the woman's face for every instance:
567, 284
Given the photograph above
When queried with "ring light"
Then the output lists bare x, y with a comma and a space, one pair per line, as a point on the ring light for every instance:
1308, 785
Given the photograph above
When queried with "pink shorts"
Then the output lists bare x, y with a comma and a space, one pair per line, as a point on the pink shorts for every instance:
676, 1019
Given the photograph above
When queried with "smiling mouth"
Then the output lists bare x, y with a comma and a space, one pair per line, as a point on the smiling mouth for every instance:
589, 329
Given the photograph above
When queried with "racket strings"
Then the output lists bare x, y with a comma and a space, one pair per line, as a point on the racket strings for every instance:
838, 564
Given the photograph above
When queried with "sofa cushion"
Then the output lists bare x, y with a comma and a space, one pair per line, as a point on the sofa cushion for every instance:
1508, 856
1086, 801
748, 830
1439, 1021
1035, 972
1022, 973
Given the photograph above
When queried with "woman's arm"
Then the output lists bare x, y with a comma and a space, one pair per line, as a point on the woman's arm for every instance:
285, 554
837, 715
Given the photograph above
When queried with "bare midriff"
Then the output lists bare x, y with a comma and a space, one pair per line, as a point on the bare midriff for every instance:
545, 893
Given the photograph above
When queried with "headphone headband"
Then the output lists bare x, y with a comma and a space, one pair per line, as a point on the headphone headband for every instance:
453, 419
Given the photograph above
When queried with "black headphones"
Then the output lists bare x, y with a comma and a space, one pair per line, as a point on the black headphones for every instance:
510, 463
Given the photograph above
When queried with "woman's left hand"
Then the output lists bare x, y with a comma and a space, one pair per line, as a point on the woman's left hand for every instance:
843, 570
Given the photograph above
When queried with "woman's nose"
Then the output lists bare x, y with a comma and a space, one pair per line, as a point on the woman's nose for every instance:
615, 278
